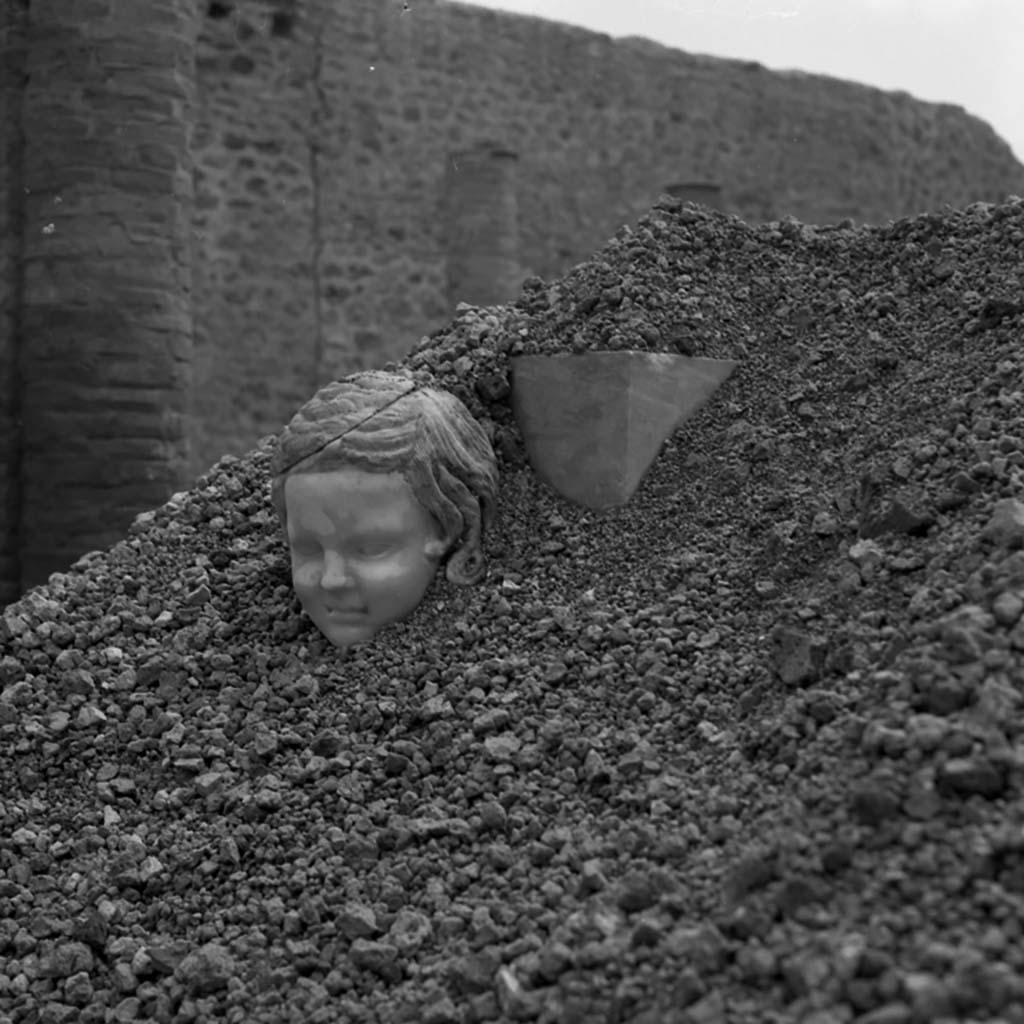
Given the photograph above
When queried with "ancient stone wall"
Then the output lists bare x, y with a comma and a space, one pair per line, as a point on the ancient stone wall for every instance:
340, 167
330, 136
255, 278
104, 320
12, 76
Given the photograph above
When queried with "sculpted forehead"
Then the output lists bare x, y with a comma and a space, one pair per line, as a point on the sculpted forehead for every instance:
316, 501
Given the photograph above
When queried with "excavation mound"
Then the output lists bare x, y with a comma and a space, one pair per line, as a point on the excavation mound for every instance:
748, 748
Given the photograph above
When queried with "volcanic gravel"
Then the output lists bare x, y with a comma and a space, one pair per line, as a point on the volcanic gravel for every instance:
750, 748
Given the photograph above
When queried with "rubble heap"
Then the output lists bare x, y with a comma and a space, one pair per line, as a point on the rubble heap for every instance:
749, 748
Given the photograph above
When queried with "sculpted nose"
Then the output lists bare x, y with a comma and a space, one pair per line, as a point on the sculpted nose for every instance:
336, 573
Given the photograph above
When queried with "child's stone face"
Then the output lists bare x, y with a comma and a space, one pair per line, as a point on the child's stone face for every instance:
363, 550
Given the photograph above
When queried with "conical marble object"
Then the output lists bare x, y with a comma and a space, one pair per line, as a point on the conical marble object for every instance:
593, 423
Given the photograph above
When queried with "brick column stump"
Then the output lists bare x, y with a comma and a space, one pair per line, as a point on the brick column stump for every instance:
105, 333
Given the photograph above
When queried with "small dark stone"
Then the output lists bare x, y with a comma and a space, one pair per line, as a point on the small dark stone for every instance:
795, 893
861, 993
474, 972
873, 963
945, 695
897, 518
948, 501
995, 310
200, 596
493, 387
92, 929
797, 656
553, 960
592, 878
166, 958
493, 816
679, 337
395, 764
380, 958
206, 970
804, 973
746, 922
965, 484
646, 933
220, 559
326, 743
969, 776
356, 921
639, 890
836, 857
873, 802
67, 959
686, 988
752, 873
823, 706
361, 851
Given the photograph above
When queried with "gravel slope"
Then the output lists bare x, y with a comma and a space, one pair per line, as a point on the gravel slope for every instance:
749, 749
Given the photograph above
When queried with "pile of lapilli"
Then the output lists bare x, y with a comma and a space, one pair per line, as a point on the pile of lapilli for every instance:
748, 749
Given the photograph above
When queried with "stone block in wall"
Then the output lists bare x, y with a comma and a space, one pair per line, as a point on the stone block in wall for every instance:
482, 226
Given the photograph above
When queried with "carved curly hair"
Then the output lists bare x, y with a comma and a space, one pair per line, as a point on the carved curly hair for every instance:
384, 422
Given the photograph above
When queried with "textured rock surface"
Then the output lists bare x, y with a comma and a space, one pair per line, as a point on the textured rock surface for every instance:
746, 749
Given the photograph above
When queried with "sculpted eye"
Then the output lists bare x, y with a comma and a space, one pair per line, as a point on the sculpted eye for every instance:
305, 549
376, 548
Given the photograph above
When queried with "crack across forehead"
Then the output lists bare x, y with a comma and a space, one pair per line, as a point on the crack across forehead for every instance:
414, 387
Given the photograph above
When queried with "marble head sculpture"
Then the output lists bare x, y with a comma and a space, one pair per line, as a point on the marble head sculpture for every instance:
377, 482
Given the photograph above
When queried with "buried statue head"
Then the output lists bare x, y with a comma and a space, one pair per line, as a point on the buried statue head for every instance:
377, 482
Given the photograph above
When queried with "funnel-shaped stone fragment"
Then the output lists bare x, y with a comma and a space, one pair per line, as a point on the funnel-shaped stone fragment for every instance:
593, 423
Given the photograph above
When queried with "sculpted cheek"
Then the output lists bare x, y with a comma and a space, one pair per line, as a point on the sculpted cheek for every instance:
305, 574
384, 568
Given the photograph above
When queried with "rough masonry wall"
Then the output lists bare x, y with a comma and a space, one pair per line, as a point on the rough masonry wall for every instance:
105, 311
326, 143
254, 266
12, 74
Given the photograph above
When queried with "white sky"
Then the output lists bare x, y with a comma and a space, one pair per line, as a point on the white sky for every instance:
967, 52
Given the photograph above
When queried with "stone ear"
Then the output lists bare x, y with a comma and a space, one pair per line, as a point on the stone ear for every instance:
436, 548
